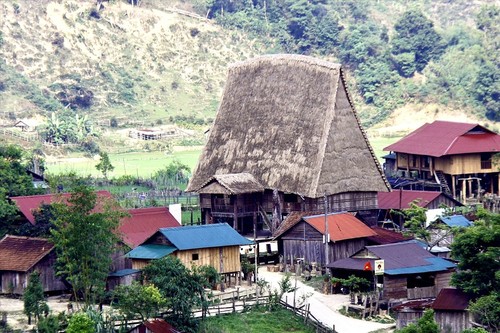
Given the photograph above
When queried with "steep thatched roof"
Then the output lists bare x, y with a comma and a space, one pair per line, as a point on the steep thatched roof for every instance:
288, 121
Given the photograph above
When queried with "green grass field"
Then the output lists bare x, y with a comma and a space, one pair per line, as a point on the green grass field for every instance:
139, 164
145, 164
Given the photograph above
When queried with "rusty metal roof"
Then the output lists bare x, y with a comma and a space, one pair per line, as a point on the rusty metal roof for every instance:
442, 138
28, 204
401, 199
143, 223
451, 299
385, 236
19, 254
341, 226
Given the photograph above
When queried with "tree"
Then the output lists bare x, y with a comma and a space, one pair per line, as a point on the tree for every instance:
104, 165
182, 288
80, 322
486, 311
34, 302
138, 300
85, 236
477, 251
426, 324
415, 34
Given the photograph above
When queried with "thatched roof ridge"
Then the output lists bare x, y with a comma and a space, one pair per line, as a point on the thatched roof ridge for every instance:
288, 121
232, 183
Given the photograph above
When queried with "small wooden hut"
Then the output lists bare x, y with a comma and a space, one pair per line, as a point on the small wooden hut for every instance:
279, 145
303, 235
19, 257
450, 310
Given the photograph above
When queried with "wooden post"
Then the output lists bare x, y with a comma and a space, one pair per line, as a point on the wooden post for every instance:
454, 194
221, 259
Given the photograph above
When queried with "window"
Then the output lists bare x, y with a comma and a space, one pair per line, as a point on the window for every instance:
486, 160
195, 256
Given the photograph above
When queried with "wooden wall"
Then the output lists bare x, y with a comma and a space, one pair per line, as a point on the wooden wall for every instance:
395, 287
442, 280
303, 241
452, 165
211, 257
452, 321
405, 318
19, 280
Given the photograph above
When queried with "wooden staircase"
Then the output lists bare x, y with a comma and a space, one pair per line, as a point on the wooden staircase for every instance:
441, 179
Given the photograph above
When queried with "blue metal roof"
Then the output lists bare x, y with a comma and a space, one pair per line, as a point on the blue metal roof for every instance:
124, 272
151, 251
435, 265
456, 221
204, 236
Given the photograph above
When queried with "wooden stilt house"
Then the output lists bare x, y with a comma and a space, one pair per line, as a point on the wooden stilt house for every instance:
286, 138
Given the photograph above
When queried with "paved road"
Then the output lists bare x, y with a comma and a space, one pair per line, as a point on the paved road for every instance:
324, 307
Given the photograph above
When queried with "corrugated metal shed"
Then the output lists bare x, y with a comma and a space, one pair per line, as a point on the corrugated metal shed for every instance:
143, 223
341, 226
456, 221
28, 204
451, 299
21, 253
151, 251
204, 236
447, 138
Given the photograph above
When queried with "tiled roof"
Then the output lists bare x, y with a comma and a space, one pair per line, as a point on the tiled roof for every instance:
401, 199
151, 251
447, 138
385, 236
21, 253
341, 226
451, 299
143, 223
204, 236
28, 204
455, 221
399, 258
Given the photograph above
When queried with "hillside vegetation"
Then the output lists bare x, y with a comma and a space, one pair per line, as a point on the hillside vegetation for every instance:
82, 69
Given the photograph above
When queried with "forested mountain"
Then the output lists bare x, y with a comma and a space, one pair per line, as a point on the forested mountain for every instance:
158, 61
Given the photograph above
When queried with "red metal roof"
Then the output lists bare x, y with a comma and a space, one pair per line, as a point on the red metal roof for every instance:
401, 199
21, 253
143, 223
385, 236
28, 204
160, 326
341, 226
447, 138
451, 299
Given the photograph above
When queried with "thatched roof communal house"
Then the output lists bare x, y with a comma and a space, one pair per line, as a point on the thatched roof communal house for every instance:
287, 125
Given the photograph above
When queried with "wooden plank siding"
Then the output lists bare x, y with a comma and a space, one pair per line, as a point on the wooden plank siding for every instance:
451, 165
207, 256
452, 321
442, 280
395, 287
304, 241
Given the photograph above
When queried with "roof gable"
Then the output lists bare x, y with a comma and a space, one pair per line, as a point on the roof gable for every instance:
143, 223
447, 138
28, 204
21, 253
233, 183
290, 136
204, 236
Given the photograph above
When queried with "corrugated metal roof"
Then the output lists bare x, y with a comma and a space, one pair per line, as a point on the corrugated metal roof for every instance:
399, 258
204, 236
456, 221
143, 223
124, 272
160, 326
401, 199
28, 204
451, 299
341, 226
290, 220
21, 253
151, 251
447, 138
385, 236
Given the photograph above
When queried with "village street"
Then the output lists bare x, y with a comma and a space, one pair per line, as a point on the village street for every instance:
324, 307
